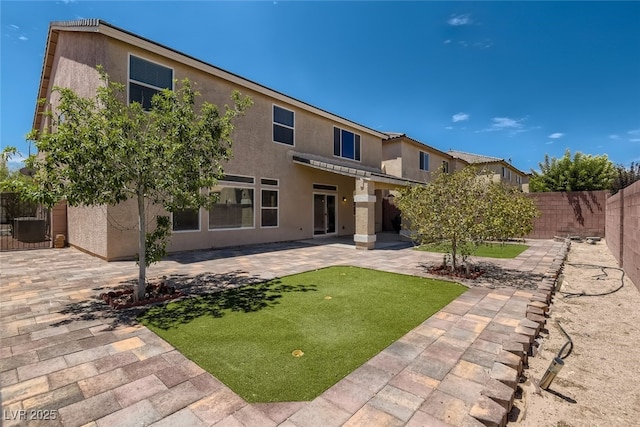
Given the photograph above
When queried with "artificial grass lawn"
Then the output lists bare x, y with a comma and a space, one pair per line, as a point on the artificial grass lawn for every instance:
489, 250
245, 336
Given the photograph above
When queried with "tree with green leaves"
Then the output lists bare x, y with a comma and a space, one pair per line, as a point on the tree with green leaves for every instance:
583, 172
104, 151
624, 177
464, 209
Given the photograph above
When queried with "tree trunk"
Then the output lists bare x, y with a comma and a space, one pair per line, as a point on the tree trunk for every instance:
139, 290
454, 251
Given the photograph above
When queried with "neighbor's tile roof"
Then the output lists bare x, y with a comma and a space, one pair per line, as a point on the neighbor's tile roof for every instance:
394, 136
473, 158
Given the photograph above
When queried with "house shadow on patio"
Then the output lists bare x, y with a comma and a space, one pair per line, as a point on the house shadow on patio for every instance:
204, 294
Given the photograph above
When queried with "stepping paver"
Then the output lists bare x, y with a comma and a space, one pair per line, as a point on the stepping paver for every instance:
103, 370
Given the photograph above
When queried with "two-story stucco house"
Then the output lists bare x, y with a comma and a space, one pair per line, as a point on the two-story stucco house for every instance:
298, 171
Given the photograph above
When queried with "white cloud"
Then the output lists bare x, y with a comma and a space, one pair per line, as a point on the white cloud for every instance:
448, 127
549, 142
447, 41
15, 27
509, 125
635, 132
501, 123
634, 140
458, 20
460, 117
484, 44
23, 38
556, 135
614, 136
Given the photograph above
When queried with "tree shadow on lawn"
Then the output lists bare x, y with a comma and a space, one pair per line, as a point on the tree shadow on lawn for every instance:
204, 294
495, 276
248, 298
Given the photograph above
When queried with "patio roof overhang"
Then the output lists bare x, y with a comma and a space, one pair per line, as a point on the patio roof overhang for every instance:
369, 174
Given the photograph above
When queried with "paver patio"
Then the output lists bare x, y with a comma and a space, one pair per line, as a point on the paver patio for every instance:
62, 351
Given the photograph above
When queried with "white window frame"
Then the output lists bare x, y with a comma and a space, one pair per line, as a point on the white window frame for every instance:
130, 80
234, 184
268, 187
427, 156
274, 123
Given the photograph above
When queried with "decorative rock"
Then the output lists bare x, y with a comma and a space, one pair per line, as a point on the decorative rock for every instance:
490, 413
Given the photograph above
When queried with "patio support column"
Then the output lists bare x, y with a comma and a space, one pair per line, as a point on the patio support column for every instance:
365, 199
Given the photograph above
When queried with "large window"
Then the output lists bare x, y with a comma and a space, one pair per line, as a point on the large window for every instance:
283, 125
186, 220
424, 161
346, 144
146, 79
234, 209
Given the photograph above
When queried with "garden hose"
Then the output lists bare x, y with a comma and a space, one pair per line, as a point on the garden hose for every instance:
568, 343
603, 268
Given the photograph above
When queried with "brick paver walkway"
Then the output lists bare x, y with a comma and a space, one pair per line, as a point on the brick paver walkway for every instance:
63, 355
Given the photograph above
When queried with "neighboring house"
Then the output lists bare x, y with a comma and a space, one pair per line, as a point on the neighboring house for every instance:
502, 170
298, 172
409, 158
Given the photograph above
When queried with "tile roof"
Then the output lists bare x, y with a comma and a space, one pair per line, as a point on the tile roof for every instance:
396, 136
473, 158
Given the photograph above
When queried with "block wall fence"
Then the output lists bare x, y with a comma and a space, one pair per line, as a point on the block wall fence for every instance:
623, 230
573, 213
595, 214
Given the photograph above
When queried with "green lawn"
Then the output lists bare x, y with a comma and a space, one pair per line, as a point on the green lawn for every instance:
339, 317
489, 250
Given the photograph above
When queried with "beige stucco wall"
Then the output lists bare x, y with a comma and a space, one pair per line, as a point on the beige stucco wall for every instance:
74, 66
88, 229
402, 158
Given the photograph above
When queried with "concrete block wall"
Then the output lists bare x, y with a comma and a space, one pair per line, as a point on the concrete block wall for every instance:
623, 230
579, 213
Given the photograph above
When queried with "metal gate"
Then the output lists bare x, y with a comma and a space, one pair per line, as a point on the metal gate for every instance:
23, 225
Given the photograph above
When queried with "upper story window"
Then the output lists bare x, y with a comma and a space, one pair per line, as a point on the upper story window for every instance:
424, 161
283, 125
346, 144
445, 166
504, 172
146, 79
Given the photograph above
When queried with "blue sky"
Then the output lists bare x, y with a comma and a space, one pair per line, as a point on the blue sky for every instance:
506, 79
